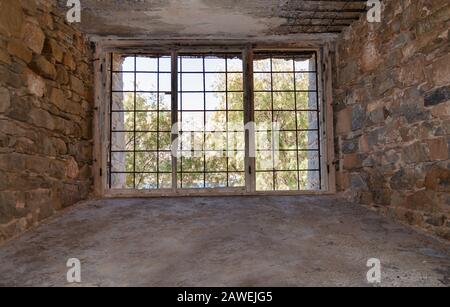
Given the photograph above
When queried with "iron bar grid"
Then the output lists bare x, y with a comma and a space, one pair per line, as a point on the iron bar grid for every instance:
180, 171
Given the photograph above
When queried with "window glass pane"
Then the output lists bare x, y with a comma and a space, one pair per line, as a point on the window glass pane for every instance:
215, 82
123, 101
236, 180
284, 101
165, 141
286, 116
309, 180
214, 65
165, 64
146, 181
305, 81
264, 160
192, 82
122, 141
286, 181
263, 101
262, 65
165, 181
123, 62
264, 181
123, 82
165, 102
146, 121
234, 65
122, 121
193, 181
285, 160
306, 101
122, 161
146, 162
236, 141
288, 140
307, 120
216, 180
283, 65
216, 141
187, 64
235, 82
192, 121
236, 161
285, 120
165, 162
146, 141
165, 82
216, 121
146, 82
215, 162
139, 126
236, 101
262, 81
215, 101
192, 164
146, 64
192, 102
122, 181
308, 140
165, 121
283, 81
308, 160
146, 102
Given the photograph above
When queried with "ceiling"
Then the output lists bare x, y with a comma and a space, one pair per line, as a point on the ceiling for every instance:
216, 19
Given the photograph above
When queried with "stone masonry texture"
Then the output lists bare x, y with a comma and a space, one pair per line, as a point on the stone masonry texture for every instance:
392, 113
46, 104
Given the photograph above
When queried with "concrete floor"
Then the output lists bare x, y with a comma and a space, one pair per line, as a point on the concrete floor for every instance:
256, 241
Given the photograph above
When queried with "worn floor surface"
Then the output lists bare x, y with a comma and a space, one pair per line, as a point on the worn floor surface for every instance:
255, 241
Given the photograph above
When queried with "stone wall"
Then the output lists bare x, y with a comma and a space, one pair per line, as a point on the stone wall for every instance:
392, 113
46, 97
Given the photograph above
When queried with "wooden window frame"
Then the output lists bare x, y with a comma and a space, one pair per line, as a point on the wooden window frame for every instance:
101, 119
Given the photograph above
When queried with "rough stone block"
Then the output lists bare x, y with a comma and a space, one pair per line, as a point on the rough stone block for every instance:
421, 201
43, 67
53, 49
358, 117
352, 161
438, 149
5, 100
437, 96
42, 118
441, 71
62, 76
350, 146
415, 153
77, 85
344, 121
72, 169
438, 179
403, 180
57, 98
11, 18
17, 49
33, 37
19, 109
5, 57
35, 84
437, 220
69, 62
